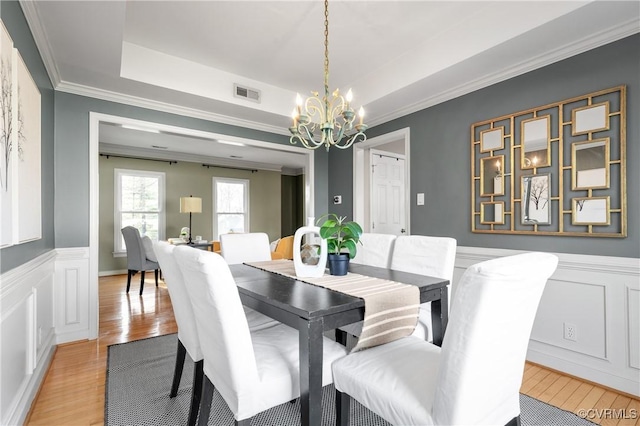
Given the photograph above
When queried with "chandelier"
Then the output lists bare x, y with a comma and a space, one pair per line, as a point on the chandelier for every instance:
333, 117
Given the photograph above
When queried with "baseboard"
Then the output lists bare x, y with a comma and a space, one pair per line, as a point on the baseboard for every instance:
110, 273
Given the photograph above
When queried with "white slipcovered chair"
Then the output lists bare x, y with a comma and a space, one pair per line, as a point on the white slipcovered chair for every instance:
424, 255
375, 250
138, 260
188, 341
240, 248
475, 378
252, 370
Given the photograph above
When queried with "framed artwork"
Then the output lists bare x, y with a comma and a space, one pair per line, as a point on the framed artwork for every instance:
28, 156
20, 148
536, 203
7, 187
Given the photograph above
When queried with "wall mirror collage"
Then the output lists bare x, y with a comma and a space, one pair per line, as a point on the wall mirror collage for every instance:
557, 169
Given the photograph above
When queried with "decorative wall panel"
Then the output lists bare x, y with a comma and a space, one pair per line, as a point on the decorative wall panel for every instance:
557, 169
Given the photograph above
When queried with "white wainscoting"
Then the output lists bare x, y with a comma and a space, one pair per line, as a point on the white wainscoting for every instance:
72, 292
27, 334
600, 297
42, 303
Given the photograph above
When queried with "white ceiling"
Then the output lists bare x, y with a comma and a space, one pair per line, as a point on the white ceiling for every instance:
397, 56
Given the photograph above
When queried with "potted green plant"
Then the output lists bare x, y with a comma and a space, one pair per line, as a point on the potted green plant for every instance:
342, 238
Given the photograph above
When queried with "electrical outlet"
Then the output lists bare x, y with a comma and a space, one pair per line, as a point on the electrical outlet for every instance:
39, 336
570, 332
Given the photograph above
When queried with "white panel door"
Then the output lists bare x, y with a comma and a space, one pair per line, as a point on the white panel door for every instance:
387, 194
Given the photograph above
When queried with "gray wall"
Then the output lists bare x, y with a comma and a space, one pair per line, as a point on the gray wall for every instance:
440, 150
14, 21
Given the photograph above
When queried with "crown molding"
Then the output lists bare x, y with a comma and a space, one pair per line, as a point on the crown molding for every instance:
596, 40
106, 95
41, 40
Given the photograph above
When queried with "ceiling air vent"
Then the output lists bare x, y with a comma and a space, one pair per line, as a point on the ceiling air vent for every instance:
246, 93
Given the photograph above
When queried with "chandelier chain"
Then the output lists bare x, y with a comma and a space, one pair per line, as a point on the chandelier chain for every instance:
326, 50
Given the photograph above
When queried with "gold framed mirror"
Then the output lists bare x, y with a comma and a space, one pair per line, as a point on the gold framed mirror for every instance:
557, 169
590, 164
535, 134
592, 118
492, 139
492, 176
492, 212
590, 211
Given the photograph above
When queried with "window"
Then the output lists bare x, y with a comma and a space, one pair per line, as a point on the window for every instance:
139, 202
230, 206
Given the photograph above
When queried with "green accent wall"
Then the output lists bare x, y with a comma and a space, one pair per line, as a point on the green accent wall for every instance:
184, 179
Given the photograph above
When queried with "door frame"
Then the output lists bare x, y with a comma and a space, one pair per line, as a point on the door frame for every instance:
95, 118
362, 206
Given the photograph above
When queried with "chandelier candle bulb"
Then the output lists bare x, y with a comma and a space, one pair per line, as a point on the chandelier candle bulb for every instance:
298, 102
361, 114
349, 97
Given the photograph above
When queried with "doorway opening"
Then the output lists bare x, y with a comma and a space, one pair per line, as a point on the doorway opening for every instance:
95, 120
396, 145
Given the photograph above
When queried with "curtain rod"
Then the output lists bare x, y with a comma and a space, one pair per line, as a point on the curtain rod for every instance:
139, 158
230, 167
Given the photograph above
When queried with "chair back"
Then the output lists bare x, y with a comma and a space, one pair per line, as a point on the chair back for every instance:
419, 254
136, 257
285, 247
375, 250
240, 248
229, 359
484, 348
186, 320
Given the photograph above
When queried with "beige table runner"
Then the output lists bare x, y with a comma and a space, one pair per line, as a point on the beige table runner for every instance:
391, 308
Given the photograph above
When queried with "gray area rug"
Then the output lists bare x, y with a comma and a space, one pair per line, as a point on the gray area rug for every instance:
139, 376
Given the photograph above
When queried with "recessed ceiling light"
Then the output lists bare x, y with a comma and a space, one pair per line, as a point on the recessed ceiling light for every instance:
143, 129
159, 147
231, 143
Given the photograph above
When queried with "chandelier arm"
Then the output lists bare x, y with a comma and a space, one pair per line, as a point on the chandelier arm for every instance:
311, 109
307, 139
349, 141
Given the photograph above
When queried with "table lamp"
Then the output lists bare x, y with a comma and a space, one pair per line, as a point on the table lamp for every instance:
190, 205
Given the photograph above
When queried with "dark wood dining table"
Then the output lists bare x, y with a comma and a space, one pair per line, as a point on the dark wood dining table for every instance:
313, 310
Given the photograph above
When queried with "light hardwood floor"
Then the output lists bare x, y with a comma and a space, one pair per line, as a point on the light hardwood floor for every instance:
73, 390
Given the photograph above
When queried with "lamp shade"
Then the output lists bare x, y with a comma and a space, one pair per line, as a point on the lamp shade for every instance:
190, 205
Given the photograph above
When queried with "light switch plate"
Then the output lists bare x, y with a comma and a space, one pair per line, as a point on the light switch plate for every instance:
420, 200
